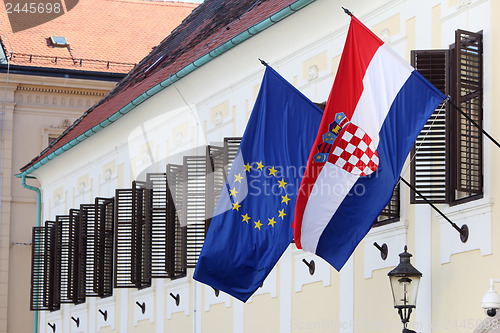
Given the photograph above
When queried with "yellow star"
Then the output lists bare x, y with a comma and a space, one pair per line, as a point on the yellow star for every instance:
281, 213
233, 192
284, 199
238, 178
247, 167
282, 183
245, 218
258, 224
272, 171
260, 165
237, 206
271, 222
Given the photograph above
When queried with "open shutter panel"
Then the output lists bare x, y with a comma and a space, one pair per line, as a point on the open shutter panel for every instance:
176, 258
38, 269
64, 235
467, 139
156, 216
103, 255
123, 238
74, 258
141, 240
53, 260
391, 212
429, 155
195, 194
45, 283
216, 179
231, 146
87, 250
131, 238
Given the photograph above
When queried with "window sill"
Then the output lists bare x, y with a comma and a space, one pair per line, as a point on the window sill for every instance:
394, 236
477, 215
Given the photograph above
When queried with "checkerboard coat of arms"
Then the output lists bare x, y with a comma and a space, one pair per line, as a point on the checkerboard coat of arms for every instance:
349, 147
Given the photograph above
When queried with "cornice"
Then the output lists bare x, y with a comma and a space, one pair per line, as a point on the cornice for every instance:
57, 90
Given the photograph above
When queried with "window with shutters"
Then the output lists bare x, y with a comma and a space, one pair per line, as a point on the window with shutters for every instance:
131, 238
447, 159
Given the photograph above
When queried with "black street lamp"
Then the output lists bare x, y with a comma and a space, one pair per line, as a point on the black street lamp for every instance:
404, 284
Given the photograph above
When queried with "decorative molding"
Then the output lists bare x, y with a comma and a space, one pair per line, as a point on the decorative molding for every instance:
394, 236
146, 297
477, 215
213, 298
179, 287
302, 274
82, 314
55, 90
54, 318
63, 125
106, 305
270, 285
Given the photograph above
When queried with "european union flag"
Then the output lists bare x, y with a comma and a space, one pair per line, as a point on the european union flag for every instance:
251, 227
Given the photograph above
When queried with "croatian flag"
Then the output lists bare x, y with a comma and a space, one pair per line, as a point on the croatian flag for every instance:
377, 107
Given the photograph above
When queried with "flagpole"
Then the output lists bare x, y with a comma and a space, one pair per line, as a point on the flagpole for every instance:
472, 121
464, 230
347, 11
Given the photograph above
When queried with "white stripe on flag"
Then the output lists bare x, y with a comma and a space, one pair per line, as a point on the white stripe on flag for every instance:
384, 77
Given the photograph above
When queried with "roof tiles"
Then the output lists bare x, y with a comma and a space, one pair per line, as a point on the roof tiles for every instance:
209, 26
103, 35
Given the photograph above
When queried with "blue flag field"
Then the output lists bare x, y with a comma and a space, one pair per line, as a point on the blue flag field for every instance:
251, 227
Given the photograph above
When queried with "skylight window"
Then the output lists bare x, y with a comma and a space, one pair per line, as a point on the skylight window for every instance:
58, 41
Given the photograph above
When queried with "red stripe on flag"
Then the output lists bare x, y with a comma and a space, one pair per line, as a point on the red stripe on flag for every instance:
360, 46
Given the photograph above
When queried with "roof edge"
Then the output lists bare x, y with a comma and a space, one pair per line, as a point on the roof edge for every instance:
61, 72
236, 40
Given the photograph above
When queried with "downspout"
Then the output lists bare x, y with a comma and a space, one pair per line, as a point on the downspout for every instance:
38, 224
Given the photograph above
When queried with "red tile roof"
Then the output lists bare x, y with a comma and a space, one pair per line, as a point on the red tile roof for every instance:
103, 35
209, 26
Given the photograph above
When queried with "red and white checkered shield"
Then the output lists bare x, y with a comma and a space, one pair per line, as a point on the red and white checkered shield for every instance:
354, 151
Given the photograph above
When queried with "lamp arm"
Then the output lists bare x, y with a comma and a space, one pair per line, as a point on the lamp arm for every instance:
492, 282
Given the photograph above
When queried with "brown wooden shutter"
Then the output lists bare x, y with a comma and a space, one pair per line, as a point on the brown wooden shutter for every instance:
128, 214
103, 257
64, 235
87, 251
466, 139
429, 163
391, 212
74, 257
231, 146
216, 179
156, 217
176, 245
141, 237
195, 194
45, 268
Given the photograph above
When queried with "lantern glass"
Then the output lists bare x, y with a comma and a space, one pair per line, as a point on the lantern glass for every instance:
404, 290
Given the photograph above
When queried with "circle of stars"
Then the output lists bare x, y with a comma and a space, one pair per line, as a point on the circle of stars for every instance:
280, 214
